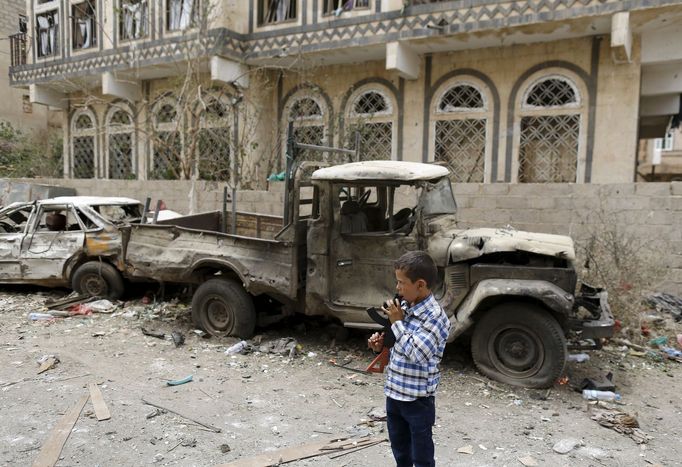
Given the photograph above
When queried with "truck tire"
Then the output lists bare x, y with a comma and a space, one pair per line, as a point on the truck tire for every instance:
99, 279
222, 307
519, 344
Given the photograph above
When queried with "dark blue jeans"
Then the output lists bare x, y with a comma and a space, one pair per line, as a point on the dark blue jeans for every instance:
410, 431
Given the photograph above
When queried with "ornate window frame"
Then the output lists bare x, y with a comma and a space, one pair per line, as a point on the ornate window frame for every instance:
84, 133
464, 114
175, 126
573, 110
390, 115
115, 129
202, 124
320, 120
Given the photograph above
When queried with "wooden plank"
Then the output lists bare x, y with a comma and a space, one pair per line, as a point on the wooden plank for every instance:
188, 417
101, 409
52, 448
283, 456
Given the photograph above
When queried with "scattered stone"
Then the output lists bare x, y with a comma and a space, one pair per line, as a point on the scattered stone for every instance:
528, 461
225, 448
468, 449
565, 446
592, 453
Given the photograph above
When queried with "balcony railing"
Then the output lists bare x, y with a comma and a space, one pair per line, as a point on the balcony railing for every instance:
17, 44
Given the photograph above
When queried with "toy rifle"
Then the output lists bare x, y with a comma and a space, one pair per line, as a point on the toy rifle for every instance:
381, 360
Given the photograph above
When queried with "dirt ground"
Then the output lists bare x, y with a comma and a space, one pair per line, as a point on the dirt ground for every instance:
262, 402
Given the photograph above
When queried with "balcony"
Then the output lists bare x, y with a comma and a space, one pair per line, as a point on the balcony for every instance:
17, 44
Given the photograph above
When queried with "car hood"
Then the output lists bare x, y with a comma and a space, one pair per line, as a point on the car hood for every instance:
455, 245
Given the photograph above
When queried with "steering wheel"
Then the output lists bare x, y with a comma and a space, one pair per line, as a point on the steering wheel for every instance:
401, 218
363, 199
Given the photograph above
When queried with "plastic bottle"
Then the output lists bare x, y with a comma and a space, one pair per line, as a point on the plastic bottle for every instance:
593, 394
578, 357
236, 348
40, 316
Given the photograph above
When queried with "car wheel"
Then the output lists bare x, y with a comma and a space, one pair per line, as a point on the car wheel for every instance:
519, 344
222, 307
98, 279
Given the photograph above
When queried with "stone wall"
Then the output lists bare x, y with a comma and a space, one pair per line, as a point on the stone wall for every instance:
643, 211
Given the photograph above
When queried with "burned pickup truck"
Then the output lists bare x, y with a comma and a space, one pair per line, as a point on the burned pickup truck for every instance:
332, 253
67, 241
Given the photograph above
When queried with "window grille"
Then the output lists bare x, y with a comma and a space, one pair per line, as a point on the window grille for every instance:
550, 121
309, 128
214, 141
275, 11
47, 34
460, 132
461, 145
372, 117
549, 148
121, 144
553, 92
83, 134
134, 19
167, 142
83, 25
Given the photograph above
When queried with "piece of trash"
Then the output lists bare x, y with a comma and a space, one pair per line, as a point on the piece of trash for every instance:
679, 340
603, 384
47, 362
99, 334
80, 309
102, 306
594, 395
468, 449
312, 354
239, 347
40, 317
178, 338
58, 313
482, 447
158, 335
592, 453
284, 346
578, 357
200, 333
178, 382
659, 341
225, 448
672, 353
565, 446
620, 422
666, 302
274, 430
528, 461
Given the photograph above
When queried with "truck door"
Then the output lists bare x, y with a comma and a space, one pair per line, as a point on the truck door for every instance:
362, 249
57, 236
13, 224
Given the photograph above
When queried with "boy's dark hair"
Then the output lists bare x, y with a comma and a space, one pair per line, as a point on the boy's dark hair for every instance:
418, 265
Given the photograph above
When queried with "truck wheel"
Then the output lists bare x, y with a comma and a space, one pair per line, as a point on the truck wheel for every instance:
519, 344
222, 308
98, 279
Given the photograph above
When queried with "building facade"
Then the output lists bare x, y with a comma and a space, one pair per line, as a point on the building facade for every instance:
17, 108
519, 91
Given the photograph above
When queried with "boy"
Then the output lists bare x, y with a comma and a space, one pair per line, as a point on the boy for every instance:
412, 375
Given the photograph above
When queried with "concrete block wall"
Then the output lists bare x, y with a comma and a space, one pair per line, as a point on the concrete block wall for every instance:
647, 211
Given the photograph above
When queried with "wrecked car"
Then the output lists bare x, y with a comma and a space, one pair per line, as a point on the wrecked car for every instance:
515, 294
72, 241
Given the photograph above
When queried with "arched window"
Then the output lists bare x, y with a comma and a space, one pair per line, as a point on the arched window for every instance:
83, 144
120, 138
461, 117
308, 113
166, 141
372, 113
551, 116
214, 148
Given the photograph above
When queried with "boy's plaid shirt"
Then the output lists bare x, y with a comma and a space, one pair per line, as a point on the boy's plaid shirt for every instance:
419, 343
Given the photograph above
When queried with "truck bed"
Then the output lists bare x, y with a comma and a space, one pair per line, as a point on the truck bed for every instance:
181, 250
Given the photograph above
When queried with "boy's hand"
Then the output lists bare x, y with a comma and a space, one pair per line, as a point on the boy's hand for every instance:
376, 342
394, 311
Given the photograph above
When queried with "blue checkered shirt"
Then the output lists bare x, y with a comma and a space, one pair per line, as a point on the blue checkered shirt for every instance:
419, 343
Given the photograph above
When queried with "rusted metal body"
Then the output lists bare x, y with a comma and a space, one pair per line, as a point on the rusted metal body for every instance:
32, 251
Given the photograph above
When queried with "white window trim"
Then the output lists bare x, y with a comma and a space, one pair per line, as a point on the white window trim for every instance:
664, 144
